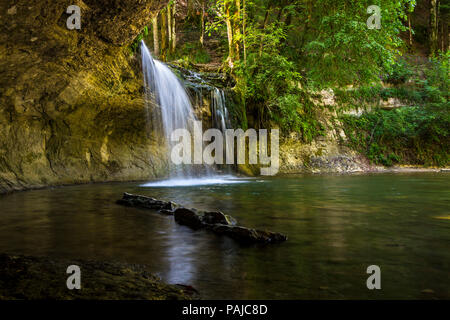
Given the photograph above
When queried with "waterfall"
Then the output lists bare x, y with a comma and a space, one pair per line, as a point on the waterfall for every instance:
219, 110
163, 86
174, 111
220, 118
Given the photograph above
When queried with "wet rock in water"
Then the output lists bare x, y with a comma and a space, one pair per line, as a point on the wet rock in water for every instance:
215, 217
248, 235
188, 218
131, 200
231, 221
197, 219
168, 208
215, 221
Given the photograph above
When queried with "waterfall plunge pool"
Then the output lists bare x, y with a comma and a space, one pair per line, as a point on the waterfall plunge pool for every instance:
338, 225
200, 181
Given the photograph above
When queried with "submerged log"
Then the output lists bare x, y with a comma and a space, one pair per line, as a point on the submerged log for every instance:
214, 221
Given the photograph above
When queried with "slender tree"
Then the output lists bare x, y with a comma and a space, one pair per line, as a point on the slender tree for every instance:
434, 44
228, 17
169, 24
163, 34
266, 21
155, 35
190, 5
237, 28
202, 22
244, 21
174, 30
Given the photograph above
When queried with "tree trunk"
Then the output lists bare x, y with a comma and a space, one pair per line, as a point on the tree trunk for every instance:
410, 31
443, 35
434, 44
229, 33
190, 4
169, 25
202, 36
155, 35
244, 20
163, 35
174, 26
237, 29
266, 20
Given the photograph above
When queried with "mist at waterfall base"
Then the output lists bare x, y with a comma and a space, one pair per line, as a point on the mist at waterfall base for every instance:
175, 111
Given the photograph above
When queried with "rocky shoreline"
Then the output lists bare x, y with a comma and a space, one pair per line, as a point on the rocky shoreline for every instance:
31, 278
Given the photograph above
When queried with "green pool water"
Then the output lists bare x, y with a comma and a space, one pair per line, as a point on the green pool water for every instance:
338, 225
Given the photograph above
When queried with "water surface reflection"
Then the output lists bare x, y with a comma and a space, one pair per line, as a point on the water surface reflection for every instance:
337, 226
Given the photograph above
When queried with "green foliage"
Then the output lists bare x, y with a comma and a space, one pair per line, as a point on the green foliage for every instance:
270, 84
136, 42
338, 48
299, 46
371, 96
436, 85
364, 95
192, 52
273, 93
401, 72
417, 135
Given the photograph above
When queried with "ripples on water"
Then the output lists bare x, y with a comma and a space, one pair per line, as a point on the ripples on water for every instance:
337, 226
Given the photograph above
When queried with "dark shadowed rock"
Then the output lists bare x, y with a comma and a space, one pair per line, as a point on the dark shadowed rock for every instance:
188, 218
247, 235
131, 200
215, 217
72, 100
214, 221
23, 277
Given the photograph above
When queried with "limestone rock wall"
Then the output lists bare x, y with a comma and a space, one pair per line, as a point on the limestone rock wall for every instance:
71, 103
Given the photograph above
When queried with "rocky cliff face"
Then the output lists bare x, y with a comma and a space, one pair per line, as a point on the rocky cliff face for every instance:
325, 154
71, 103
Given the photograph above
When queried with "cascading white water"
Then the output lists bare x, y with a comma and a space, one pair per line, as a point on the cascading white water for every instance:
220, 117
175, 112
163, 87
219, 110
168, 92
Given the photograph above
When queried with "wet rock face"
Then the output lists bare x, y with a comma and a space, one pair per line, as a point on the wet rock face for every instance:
200, 86
121, 22
71, 101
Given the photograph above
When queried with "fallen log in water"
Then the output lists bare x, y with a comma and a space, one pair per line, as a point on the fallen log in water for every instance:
214, 221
